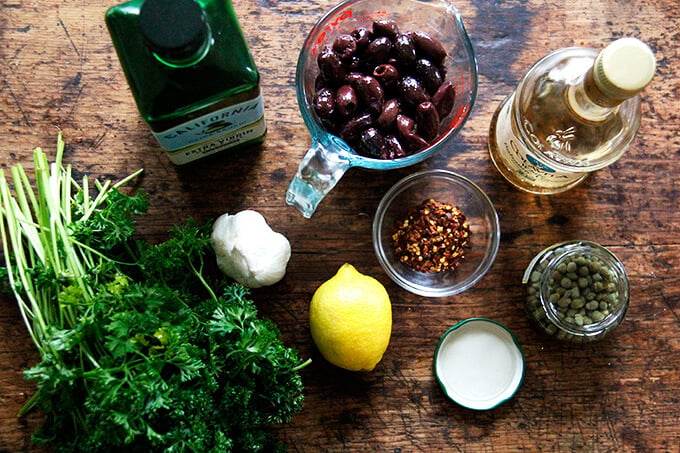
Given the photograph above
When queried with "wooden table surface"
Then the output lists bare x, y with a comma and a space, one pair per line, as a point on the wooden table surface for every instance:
58, 71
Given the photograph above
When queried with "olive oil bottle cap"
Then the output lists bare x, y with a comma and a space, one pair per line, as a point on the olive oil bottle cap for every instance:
175, 30
624, 68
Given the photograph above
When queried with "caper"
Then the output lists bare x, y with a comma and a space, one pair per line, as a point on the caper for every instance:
592, 305
539, 314
597, 316
577, 303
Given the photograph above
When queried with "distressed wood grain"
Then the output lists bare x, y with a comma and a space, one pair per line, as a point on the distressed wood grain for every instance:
58, 72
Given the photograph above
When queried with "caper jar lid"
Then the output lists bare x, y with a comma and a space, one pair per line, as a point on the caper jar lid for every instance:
577, 291
175, 30
479, 363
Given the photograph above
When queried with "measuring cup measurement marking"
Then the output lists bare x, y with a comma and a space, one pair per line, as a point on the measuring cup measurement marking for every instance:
461, 114
330, 27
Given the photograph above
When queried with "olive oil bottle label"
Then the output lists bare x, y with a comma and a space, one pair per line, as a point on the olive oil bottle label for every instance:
214, 131
253, 132
526, 168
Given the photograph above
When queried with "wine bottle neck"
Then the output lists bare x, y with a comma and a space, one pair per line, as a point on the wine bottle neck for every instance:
587, 100
595, 94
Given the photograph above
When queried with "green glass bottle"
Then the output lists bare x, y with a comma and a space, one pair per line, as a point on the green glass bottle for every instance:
191, 73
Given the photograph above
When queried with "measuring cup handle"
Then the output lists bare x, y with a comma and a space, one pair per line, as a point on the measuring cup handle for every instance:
320, 170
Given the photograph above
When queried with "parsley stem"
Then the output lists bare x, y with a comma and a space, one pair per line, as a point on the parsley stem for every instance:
37, 241
302, 365
199, 274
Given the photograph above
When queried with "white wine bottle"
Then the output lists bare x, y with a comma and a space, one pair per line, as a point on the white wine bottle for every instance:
576, 110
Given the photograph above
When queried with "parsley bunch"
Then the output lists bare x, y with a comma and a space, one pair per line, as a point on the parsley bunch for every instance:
140, 349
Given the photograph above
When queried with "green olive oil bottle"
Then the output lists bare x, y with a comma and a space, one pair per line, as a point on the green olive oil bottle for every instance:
191, 73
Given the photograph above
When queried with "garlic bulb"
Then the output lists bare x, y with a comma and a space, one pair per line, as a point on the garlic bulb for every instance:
248, 250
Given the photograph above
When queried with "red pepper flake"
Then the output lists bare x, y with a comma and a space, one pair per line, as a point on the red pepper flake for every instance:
432, 238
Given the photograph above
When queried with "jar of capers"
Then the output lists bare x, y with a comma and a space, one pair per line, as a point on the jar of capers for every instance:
576, 291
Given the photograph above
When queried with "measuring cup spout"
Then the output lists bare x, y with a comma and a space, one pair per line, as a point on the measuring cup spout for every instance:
320, 170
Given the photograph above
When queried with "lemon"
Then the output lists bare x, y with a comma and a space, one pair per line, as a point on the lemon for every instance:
350, 318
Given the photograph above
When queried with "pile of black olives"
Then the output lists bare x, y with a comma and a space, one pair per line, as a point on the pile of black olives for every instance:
383, 91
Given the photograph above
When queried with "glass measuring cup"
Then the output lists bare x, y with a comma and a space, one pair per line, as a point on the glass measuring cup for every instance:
329, 157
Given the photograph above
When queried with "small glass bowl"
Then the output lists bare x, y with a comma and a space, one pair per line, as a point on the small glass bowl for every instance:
443, 186
602, 291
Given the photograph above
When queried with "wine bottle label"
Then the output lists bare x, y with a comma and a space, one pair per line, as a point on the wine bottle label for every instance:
214, 131
521, 160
